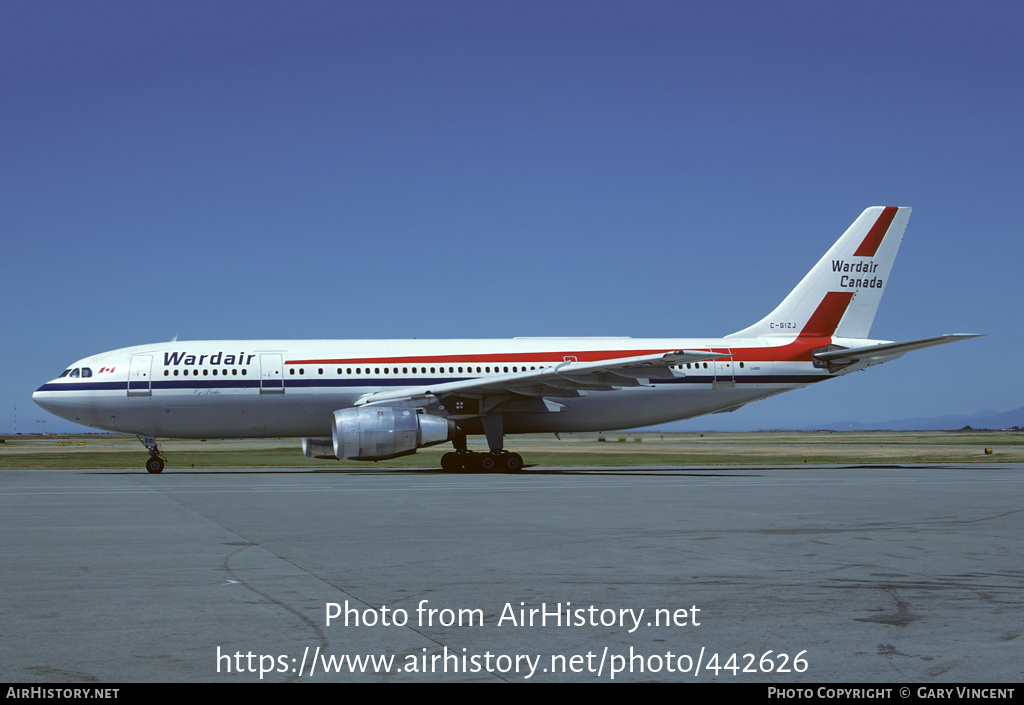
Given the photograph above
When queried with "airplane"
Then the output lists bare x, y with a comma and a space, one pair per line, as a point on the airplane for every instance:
381, 399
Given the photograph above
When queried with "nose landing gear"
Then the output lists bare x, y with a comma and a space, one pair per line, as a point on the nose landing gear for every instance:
155, 464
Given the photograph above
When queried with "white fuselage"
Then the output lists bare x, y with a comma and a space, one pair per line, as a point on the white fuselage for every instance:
261, 388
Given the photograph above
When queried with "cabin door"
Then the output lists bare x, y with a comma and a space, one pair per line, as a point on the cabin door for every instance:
725, 375
271, 373
139, 376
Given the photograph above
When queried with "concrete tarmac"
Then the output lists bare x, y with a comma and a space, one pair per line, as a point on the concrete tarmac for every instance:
786, 575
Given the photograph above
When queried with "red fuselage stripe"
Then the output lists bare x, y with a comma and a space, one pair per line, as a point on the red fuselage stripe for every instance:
816, 333
483, 358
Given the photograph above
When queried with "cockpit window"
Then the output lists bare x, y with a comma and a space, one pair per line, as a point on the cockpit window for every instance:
74, 372
65, 373
87, 372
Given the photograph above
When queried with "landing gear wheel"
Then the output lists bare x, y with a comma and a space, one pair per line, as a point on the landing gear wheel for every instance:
155, 465
512, 462
471, 461
452, 462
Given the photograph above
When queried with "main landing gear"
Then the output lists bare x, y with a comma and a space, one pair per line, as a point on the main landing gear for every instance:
155, 464
470, 461
498, 460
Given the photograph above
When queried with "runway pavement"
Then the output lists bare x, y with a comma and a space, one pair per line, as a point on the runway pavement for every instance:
787, 575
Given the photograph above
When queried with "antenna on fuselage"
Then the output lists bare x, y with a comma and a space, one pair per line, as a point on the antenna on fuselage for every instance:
175, 338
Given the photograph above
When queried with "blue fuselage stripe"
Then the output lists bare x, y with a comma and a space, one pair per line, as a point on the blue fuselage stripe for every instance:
185, 384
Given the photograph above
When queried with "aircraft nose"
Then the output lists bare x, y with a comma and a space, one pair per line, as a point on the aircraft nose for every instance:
58, 401
43, 398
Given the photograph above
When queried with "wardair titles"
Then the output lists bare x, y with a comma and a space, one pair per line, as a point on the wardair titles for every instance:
846, 281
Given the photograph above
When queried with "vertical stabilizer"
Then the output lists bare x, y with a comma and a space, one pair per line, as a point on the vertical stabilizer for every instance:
842, 292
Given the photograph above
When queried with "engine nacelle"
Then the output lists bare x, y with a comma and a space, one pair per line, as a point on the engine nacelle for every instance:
382, 432
322, 448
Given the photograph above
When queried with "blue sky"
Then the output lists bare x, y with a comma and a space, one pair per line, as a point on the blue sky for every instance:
473, 169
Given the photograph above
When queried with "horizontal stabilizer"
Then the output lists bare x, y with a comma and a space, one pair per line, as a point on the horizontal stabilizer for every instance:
886, 351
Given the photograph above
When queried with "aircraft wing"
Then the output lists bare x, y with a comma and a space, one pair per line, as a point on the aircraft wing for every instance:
885, 351
481, 395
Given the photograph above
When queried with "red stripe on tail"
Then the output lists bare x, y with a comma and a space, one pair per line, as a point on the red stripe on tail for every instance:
869, 247
825, 319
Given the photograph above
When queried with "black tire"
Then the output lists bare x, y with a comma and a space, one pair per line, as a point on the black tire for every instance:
486, 462
513, 462
155, 465
452, 462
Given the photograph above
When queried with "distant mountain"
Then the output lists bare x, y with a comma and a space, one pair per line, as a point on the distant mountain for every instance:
985, 419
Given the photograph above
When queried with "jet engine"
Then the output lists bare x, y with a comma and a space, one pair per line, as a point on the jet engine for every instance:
322, 448
382, 432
